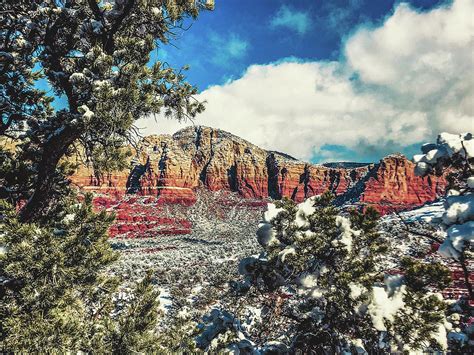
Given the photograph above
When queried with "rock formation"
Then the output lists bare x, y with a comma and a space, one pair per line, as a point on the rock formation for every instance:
171, 167
394, 185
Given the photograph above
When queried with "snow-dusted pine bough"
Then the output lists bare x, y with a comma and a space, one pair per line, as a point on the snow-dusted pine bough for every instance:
321, 283
456, 153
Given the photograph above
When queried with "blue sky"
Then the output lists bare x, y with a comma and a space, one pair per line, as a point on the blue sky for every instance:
238, 33
336, 80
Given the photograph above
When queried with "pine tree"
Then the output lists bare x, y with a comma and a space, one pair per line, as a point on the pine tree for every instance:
56, 293
325, 274
136, 325
97, 56
452, 156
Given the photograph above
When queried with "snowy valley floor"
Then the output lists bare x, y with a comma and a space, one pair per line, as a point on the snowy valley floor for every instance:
193, 270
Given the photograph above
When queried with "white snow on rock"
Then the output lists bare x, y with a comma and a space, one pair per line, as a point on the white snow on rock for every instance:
428, 213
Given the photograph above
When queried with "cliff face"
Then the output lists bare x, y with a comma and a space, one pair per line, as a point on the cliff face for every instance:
394, 185
171, 167
297, 180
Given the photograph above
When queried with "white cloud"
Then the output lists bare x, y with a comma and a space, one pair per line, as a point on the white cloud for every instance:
298, 21
422, 60
228, 49
398, 84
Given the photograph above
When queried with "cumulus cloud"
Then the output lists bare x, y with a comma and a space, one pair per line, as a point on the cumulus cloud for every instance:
286, 17
396, 85
228, 49
421, 60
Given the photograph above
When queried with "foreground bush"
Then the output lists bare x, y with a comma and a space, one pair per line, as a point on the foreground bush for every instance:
330, 292
55, 293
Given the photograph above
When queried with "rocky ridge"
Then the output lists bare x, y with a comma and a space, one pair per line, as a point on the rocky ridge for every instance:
173, 166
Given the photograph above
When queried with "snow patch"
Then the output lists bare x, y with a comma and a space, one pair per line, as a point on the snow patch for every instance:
266, 235
459, 237
345, 238
86, 112
165, 299
305, 209
459, 209
272, 212
384, 306
470, 182
77, 78
356, 290
289, 250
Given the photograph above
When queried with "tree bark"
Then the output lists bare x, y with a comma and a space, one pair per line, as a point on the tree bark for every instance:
467, 282
43, 190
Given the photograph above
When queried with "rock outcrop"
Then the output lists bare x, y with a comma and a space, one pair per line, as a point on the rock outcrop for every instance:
172, 167
393, 185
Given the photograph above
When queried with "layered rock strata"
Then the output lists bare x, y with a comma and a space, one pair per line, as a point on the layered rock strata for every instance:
171, 167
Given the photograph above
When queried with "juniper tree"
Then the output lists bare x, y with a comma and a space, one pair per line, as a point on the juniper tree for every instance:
453, 156
55, 293
326, 276
95, 54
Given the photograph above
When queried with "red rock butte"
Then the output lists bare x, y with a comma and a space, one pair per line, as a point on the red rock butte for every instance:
171, 167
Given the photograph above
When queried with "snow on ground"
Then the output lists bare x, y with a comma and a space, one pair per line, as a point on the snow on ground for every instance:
428, 213
194, 269
165, 299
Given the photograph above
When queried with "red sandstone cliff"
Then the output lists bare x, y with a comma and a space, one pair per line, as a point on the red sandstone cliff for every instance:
172, 166
394, 185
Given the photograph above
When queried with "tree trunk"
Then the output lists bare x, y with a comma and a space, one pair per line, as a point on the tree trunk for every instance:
43, 192
467, 282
